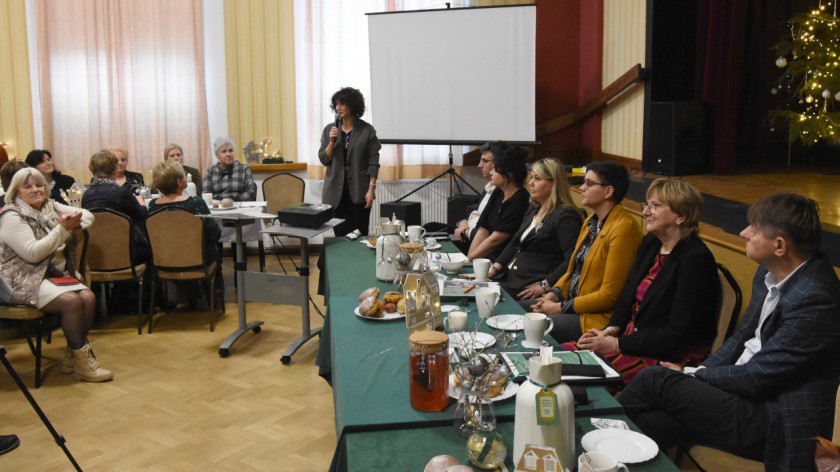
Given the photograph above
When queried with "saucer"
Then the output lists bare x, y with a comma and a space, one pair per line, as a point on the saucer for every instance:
528, 345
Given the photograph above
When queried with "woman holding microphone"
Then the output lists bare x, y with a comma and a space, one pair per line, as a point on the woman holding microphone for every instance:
350, 151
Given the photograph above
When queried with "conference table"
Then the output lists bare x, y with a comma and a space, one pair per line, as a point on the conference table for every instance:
367, 362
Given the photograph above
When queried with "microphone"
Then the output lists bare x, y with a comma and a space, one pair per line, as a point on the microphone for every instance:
337, 125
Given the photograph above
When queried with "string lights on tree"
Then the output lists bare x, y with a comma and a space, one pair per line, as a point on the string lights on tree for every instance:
809, 53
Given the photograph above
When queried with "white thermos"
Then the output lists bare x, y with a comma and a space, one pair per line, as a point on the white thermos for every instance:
553, 424
190, 190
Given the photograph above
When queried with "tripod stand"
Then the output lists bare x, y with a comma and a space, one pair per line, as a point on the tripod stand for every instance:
455, 180
59, 439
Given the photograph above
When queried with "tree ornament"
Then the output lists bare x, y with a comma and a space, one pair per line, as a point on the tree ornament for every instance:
837, 96
774, 91
781, 62
809, 99
826, 93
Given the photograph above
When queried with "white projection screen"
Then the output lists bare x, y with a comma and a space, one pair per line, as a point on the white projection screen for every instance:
454, 76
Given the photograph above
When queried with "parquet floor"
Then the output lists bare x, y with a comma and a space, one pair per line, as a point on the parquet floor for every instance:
175, 405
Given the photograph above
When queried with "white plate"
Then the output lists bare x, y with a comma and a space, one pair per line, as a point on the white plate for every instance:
510, 390
433, 247
506, 322
385, 316
628, 447
234, 207
448, 308
475, 340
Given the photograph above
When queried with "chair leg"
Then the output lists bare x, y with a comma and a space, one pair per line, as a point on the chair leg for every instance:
262, 254
212, 302
152, 306
140, 307
38, 333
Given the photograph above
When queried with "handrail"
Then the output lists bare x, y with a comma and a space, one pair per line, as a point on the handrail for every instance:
619, 85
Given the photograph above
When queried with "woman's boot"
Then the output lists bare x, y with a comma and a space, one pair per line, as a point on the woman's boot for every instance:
87, 368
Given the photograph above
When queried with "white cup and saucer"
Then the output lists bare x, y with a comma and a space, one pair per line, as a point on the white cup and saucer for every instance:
537, 326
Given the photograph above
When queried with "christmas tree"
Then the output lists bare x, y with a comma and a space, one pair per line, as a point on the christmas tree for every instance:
810, 84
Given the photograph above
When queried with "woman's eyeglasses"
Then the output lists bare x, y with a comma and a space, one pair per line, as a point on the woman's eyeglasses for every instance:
652, 206
590, 183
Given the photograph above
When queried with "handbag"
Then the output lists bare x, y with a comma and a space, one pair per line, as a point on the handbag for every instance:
827, 456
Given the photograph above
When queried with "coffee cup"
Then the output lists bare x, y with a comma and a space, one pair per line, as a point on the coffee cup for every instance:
416, 233
431, 242
486, 300
456, 321
208, 198
537, 326
599, 462
481, 267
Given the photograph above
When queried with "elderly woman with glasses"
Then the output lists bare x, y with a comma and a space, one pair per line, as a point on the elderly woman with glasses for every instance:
229, 178
585, 295
667, 311
539, 252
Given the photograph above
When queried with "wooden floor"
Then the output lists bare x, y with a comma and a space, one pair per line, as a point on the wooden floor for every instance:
175, 405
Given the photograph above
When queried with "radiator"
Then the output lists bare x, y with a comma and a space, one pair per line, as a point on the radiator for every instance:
432, 198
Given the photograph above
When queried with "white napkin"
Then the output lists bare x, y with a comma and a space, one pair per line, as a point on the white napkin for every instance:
606, 423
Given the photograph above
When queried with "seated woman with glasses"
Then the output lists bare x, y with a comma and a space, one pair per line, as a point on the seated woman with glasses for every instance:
507, 205
539, 252
586, 293
171, 181
667, 311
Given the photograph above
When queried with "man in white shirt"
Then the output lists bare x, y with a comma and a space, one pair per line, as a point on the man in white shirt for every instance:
770, 389
465, 229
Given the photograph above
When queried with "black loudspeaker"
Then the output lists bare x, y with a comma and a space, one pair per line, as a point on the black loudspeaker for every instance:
459, 207
679, 139
405, 211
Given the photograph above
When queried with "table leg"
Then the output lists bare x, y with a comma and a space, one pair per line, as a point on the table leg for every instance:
306, 332
244, 326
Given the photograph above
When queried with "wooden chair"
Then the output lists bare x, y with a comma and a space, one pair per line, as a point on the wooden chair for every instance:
706, 457
282, 190
178, 254
730, 306
110, 253
43, 322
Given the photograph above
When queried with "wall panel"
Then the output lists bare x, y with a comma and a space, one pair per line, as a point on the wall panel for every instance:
624, 46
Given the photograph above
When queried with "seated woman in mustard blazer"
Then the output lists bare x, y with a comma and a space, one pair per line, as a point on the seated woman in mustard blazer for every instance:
585, 295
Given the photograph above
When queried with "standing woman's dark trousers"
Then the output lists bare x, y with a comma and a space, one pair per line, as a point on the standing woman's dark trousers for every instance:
355, 216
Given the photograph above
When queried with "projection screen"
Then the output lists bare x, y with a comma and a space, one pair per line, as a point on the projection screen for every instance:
455, 76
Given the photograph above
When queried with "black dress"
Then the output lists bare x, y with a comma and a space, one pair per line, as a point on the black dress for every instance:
503, 215
62, 182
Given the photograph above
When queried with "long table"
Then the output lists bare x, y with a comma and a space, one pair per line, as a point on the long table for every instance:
368, 364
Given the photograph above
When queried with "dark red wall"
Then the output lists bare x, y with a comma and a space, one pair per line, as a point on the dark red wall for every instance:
568, 68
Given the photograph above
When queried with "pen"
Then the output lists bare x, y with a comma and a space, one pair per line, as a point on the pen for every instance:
467, 290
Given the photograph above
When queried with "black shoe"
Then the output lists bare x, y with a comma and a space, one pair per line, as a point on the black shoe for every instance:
8, 443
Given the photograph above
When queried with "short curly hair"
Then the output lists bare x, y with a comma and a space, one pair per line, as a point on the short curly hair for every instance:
165, 176
350, 97
509, 160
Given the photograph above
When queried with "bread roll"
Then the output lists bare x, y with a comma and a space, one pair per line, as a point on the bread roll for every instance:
392, 297
227, 202
371, 292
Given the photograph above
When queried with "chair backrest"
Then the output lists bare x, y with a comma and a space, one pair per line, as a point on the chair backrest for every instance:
730, 306
79, 251
835, 436
282, 190
109, 241
177, 239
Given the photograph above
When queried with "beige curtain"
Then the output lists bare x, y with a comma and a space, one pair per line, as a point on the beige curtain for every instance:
16, 130
260, 72
126, 73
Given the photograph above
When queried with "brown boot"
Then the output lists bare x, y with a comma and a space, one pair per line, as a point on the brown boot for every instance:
87, 368
67, 362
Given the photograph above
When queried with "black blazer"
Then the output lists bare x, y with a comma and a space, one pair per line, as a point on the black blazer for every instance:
353, 167
62, 182
679, 308
543, 254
